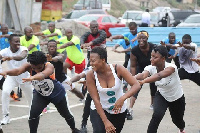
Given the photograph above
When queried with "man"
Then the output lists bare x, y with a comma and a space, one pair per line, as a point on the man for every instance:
16, 56
89, 40
188, 69
165, 21
173, 54
126, 45
4, 43
92, 38
146, 19
51, 33
29, 40
57, 60
131, 36
75, 56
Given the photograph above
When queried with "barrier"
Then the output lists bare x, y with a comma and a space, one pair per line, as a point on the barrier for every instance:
156, 34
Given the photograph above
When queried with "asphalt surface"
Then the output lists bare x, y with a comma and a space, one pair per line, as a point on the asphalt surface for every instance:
52, 122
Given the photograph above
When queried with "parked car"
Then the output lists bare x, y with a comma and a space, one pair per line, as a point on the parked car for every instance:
191, 21
75, 14
129, 16
88, 4
105, 21
181, 15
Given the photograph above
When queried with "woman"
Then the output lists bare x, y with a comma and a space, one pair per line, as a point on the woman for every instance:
170, 93
47, 89
104, 84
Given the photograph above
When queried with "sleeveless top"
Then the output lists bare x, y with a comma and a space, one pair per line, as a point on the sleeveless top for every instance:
49, 87
108, 96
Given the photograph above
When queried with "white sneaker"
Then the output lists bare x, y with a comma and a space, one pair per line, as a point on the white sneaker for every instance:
5, 120
151, 107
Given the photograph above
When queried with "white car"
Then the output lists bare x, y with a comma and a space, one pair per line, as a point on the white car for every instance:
191, 21
129, 16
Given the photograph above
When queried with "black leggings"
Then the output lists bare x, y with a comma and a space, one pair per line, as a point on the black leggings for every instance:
195, 77
86, 110
127, 57
117, 120
176, 109
39, 102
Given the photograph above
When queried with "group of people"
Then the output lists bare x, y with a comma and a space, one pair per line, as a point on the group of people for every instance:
43, 76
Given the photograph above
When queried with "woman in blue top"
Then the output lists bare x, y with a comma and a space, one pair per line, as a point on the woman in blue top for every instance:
47, 89
104, 84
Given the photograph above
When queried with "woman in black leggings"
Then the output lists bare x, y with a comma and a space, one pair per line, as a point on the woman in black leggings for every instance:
46, 89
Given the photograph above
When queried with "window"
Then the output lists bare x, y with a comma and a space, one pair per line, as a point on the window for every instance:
106, 20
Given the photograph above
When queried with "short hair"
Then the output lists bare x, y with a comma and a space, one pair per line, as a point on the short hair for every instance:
147, 10
51, 41
12, 36
132, 24
27, 27
187, 36
102, 52
37, 57
172, 33
162, 50
143, 32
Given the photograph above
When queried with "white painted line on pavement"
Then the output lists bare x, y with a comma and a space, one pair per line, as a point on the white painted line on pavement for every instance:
49, 111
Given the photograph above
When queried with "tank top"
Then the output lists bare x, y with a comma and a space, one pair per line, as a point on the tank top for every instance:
109, 96
49, 87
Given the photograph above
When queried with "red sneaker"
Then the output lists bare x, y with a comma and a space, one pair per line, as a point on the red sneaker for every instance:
15, 97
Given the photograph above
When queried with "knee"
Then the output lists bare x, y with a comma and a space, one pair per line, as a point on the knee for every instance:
157, 115
5, 92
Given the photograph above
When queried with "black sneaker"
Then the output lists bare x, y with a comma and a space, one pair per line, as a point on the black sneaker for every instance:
83, 128
129, 115
19, 92
76, 131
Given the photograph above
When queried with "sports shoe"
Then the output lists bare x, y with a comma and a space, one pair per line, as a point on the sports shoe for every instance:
45, 110
5, 120
1, 131
83, 128
19, 92
14, 97
151, 107
76, 131
129, 114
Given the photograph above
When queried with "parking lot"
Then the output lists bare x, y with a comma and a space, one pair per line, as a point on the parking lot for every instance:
52, 122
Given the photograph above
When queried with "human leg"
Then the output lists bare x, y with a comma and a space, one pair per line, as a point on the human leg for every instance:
97, 124
8, 85
86, 112
160, 107
176, 61
64, 111
183, 74
127, 57
177, 109
38, 104
195, 78
153, 89
80, 67
117, 120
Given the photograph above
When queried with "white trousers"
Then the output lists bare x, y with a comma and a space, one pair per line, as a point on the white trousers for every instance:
9, 84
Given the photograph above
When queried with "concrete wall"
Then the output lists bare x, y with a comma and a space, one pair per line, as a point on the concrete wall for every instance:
29, 12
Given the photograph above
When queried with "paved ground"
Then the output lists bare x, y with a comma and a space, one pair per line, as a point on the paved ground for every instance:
53, 123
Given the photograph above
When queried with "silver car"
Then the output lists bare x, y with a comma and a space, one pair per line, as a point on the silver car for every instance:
191, 21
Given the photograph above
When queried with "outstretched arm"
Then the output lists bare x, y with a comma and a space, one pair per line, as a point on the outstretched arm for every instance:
17, 58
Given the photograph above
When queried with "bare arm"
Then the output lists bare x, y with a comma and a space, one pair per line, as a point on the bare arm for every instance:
49, 69
116, 37
38, 34
133, 61
31, 47
52, 34
66, 45
77, 77
18, 57
158, 76
90, 82
17, 71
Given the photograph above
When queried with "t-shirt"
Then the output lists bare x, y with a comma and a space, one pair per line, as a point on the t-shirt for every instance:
171, 51
146, 18
4, 43
122, 42
169, 87
60, 75
74, 52
129, 36
142, 59
12, 64
34, 40
188, 65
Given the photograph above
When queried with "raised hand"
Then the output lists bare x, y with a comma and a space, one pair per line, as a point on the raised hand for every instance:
49, 57
162, 43
197, 60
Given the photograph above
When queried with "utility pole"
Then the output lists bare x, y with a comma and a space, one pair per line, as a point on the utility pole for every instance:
195, 5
